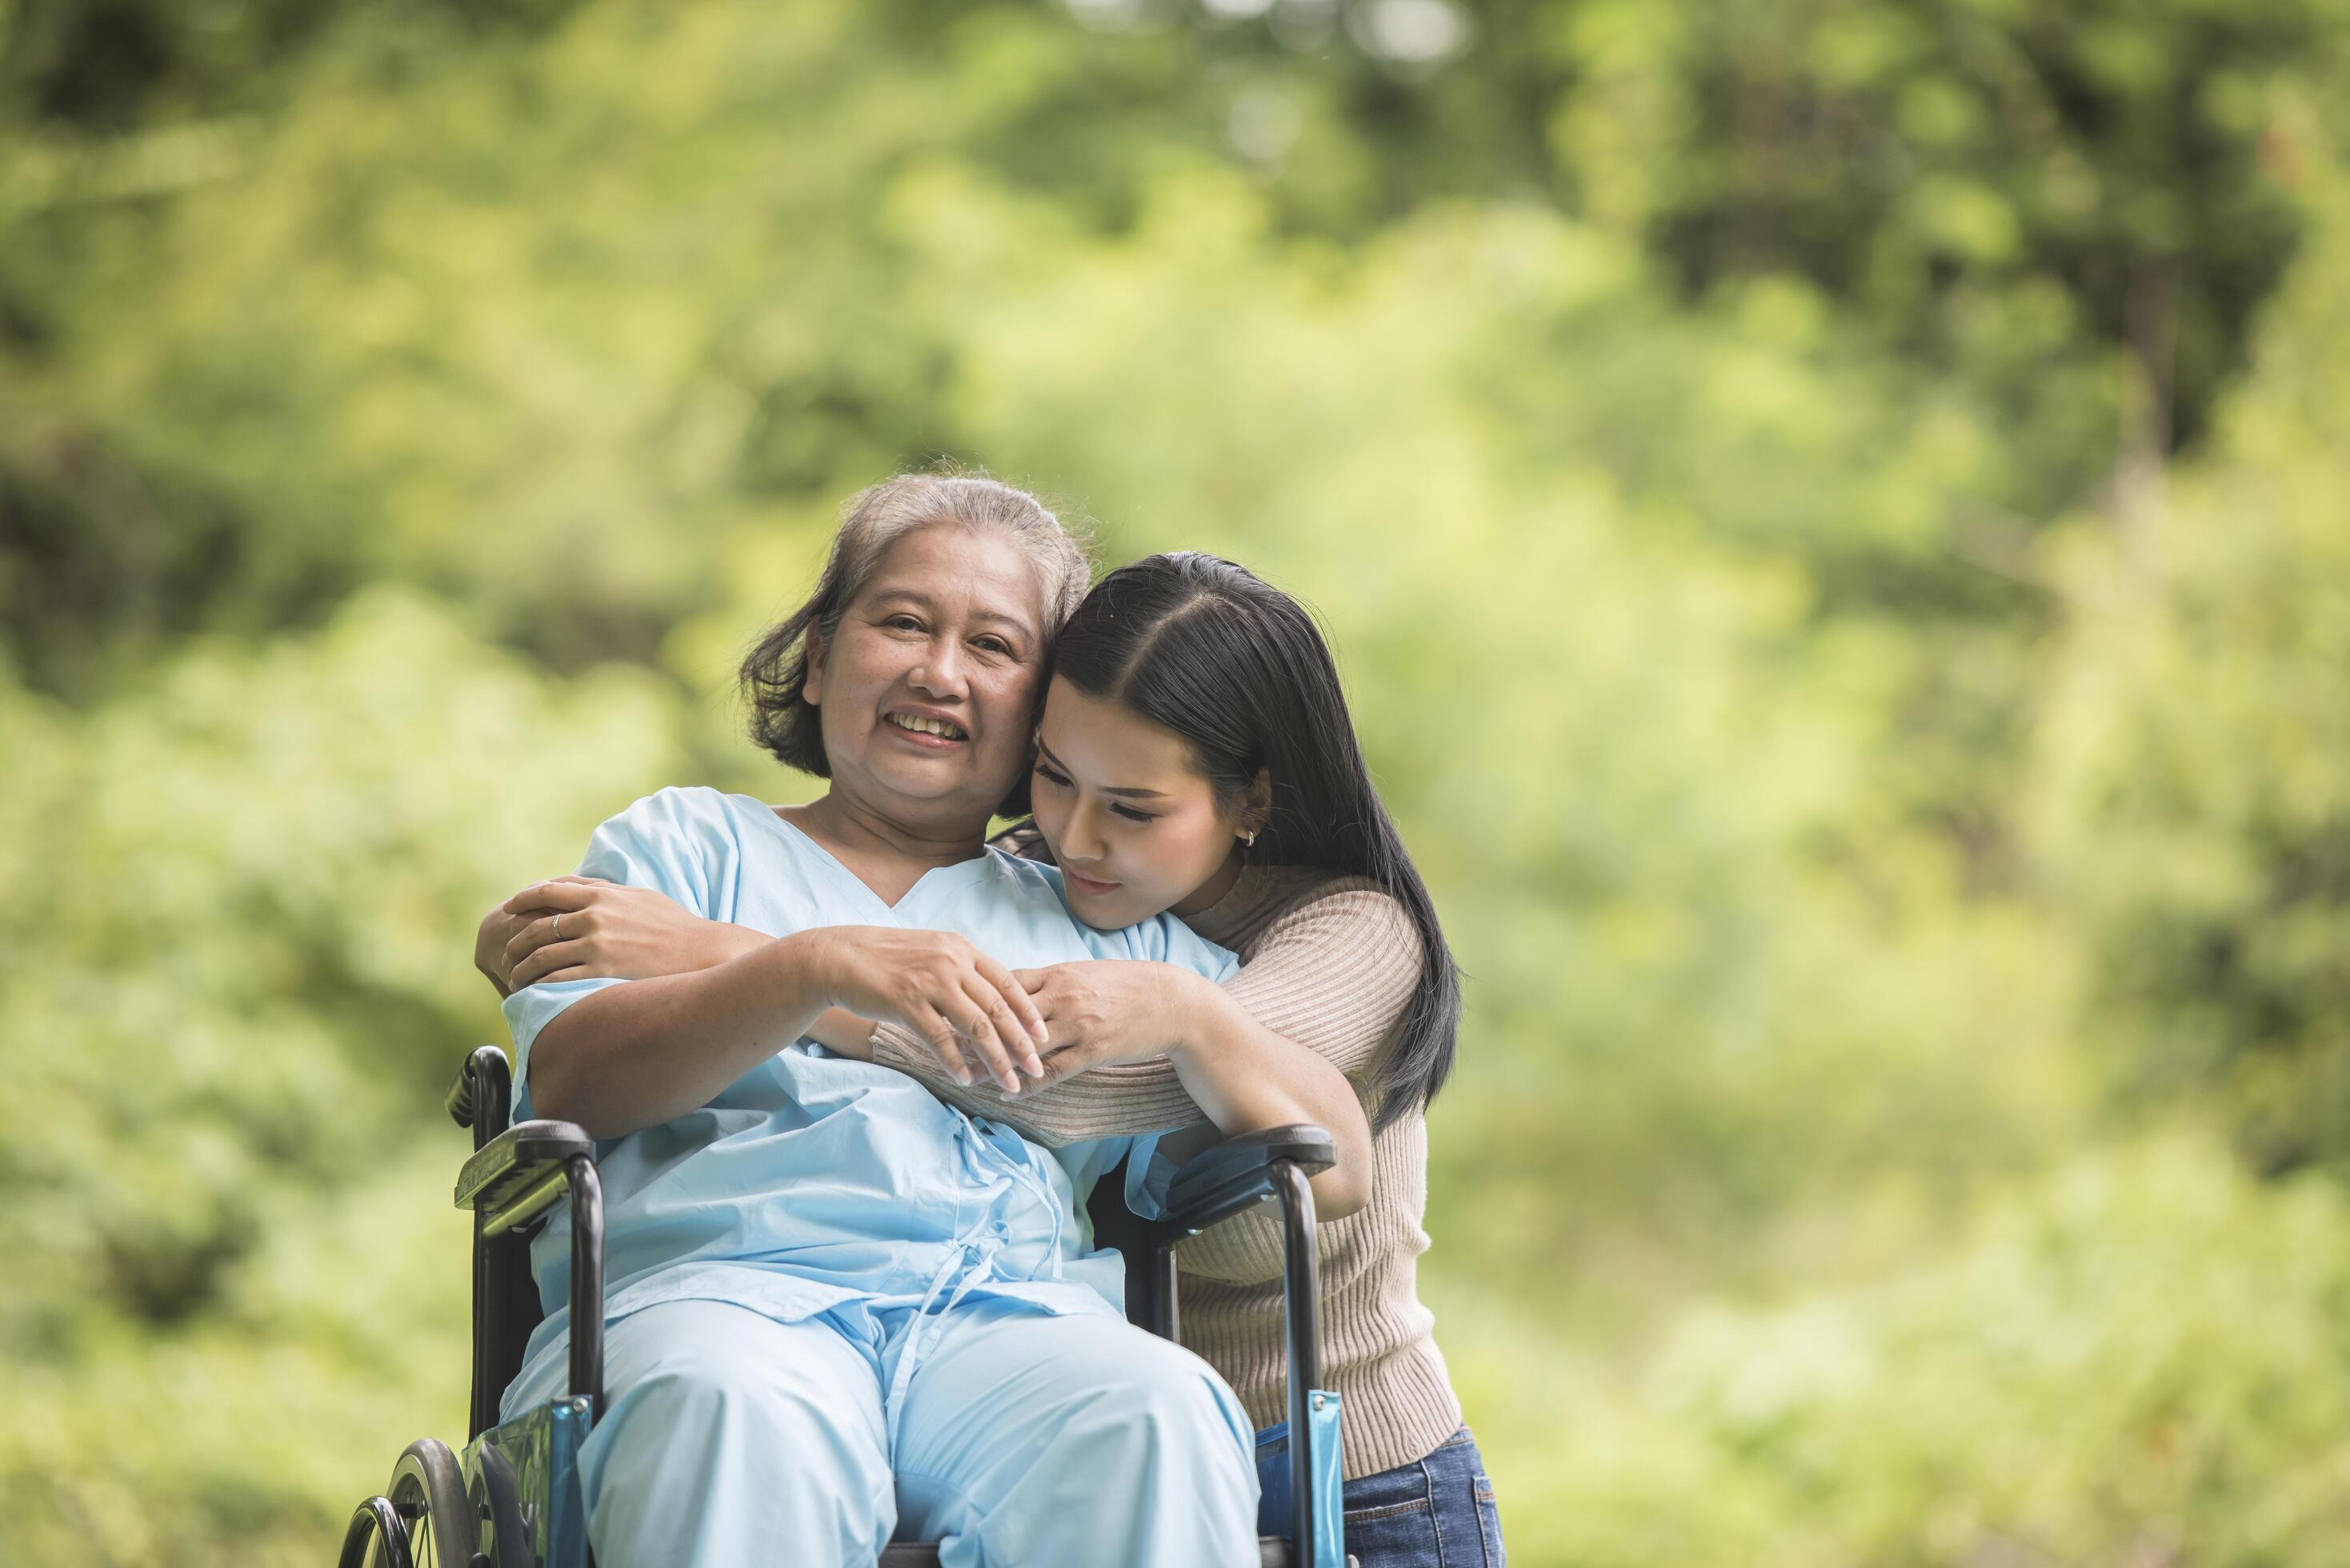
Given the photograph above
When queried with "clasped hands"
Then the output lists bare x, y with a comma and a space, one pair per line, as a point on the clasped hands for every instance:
1027, 1029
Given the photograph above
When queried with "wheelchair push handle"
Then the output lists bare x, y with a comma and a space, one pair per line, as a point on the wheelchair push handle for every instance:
483, 1096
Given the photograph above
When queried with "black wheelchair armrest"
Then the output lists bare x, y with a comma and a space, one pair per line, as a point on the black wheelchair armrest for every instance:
517, 1176
513, 1180
1238, 1173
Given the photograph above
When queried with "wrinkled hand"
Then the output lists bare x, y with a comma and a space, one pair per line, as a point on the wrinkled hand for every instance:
964, 1002
1100, 1012
607, 928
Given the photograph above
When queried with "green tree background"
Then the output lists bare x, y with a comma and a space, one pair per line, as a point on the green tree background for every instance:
1835, 513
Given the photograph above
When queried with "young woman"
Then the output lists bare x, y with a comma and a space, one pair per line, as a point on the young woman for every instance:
839, 1309
1195, 756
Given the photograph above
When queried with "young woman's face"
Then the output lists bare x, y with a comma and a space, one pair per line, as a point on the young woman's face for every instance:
1136, 829
928, 686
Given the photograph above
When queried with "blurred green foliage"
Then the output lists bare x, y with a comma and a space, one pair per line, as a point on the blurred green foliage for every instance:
1831, 516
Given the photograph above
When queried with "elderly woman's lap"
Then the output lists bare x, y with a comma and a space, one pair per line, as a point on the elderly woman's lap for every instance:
1037, 1439
728, 1436
1023, 1439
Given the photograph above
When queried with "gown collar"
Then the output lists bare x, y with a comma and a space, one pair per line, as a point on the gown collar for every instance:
854, 886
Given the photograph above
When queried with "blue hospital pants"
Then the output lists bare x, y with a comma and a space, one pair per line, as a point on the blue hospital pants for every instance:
1020, 1441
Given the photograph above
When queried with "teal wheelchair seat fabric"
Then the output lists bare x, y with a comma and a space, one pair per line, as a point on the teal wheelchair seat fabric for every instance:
1326, 1458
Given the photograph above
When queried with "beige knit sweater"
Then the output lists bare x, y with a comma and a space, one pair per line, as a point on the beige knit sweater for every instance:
1329, 963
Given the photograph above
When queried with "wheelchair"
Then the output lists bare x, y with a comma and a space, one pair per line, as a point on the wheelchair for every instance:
513, 1498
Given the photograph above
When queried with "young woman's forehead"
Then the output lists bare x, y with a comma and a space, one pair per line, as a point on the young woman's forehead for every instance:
1095, 732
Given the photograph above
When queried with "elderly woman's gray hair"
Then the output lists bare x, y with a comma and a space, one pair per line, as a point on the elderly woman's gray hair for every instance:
782, 721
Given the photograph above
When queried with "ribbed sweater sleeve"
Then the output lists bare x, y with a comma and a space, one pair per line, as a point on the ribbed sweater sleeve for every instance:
1331, 973
1125, 1100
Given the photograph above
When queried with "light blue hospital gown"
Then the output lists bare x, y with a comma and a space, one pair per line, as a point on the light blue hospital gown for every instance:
840, 1308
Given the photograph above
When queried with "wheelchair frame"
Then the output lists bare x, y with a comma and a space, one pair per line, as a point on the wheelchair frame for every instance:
513, 1500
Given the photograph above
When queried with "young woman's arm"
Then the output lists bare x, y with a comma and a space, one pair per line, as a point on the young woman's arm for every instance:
581, 927
1240, 1074
1321, 993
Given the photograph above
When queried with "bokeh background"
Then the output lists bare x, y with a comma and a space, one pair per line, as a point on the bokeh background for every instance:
1835, 513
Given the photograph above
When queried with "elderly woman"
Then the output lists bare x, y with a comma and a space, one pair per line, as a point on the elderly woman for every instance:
841, 1309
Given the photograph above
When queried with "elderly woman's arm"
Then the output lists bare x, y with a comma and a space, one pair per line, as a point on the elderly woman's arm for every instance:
579, 927
633, 1056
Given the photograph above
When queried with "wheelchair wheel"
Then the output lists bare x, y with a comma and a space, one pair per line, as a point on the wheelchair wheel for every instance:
494, 1494
428, 1492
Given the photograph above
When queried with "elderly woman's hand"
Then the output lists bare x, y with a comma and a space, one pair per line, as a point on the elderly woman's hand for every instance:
941, 986
579, 927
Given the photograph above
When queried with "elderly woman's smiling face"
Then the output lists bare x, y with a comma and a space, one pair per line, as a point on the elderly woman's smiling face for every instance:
928, 687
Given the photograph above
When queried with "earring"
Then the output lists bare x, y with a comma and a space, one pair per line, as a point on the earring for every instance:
1249, 838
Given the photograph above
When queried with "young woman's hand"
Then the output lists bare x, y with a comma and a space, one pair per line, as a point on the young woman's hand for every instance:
940, 986
579, 927
1242, 1076
1097, 1011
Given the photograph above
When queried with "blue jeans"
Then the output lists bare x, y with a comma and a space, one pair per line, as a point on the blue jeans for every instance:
1436, 1512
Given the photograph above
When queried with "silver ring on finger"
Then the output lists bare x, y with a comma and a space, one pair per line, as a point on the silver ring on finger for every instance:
558, 926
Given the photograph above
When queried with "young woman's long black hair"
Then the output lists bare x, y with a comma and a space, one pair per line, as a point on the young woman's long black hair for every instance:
1236, 667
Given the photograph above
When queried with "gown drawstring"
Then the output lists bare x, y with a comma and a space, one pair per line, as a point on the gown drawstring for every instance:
973, 1254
